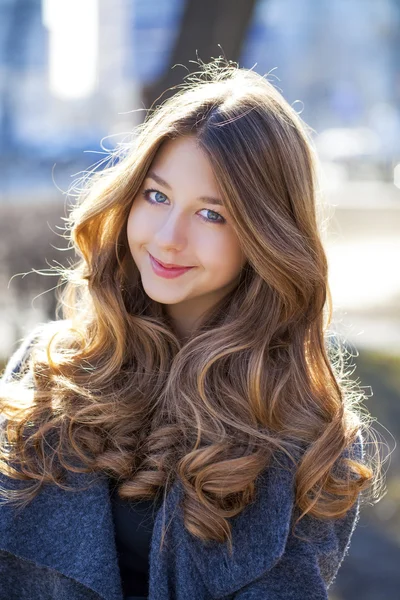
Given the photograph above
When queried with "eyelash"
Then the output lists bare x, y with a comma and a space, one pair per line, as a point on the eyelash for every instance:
146, 197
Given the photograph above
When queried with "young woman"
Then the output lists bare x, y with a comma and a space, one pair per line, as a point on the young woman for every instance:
186, 430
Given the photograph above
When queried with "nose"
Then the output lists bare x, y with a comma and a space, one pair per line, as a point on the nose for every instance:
171, 233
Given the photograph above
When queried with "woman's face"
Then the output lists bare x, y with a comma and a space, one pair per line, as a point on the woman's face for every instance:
178, 223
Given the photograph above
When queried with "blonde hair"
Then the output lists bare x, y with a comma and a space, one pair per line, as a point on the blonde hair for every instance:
115, 388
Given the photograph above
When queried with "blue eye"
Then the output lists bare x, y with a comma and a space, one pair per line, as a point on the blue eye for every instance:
219, 220
146, 194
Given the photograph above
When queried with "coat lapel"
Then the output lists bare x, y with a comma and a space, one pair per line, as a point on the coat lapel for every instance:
259, 535
71, 532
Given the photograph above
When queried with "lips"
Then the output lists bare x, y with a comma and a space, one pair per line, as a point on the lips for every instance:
167, 273
169, 265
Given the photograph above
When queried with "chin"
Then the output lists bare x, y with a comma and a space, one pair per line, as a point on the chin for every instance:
163, 298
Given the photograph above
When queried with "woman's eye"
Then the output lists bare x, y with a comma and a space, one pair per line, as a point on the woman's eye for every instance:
156, 193
216, 217
157, 196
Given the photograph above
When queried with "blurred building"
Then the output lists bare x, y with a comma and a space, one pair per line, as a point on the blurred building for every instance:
65, 77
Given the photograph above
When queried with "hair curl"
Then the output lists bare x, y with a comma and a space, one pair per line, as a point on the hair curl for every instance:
115, 388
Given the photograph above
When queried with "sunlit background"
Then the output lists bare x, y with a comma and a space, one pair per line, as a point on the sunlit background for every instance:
75, 76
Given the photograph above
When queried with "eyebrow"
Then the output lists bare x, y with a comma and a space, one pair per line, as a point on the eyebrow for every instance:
161, 181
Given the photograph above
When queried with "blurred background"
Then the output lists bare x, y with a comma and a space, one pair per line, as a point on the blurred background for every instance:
75, 78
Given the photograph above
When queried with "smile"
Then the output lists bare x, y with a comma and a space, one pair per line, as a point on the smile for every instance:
167, 273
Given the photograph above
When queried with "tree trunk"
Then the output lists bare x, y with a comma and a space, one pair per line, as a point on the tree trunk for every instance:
209, 28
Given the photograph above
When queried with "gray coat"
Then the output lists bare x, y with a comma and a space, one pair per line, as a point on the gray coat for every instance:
62, 546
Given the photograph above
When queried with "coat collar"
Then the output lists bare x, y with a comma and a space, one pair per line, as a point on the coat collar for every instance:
259, 535
70, 532
73, 533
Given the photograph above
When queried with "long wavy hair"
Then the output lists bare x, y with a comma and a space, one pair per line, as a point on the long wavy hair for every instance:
116, 390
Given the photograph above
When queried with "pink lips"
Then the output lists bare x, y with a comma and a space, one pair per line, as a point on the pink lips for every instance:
168, 273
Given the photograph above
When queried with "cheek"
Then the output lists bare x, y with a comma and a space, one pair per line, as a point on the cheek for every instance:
222, 256
137, 227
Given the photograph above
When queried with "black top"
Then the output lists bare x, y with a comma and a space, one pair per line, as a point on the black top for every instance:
133, 524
